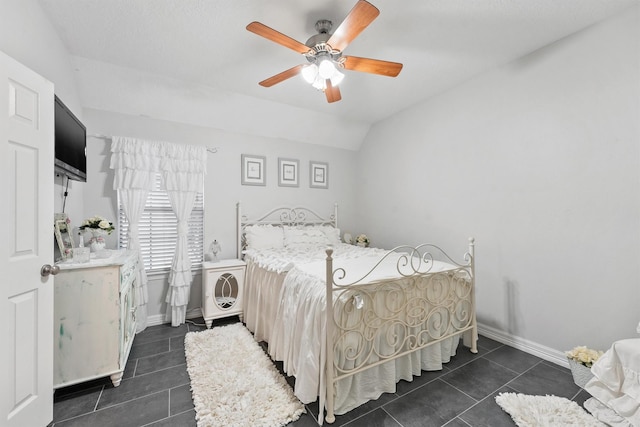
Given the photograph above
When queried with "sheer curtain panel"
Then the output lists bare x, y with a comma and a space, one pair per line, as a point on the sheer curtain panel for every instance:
133, 201
183, 178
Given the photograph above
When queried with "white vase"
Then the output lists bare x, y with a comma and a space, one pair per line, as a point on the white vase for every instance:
97, 242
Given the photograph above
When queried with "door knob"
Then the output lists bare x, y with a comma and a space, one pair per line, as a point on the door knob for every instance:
48, 269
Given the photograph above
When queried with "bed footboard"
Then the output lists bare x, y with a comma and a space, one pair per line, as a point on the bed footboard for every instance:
375, 320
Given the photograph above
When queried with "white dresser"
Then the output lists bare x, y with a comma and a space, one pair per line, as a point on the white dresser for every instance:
94, 318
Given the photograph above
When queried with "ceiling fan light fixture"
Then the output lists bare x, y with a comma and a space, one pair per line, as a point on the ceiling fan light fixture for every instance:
309, 73
319, 83
326, 69
336, 78
317, 76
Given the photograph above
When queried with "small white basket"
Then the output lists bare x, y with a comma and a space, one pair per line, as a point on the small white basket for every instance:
581, 374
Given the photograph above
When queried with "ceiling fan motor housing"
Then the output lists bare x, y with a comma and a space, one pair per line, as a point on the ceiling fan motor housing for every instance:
318, 43
323, 26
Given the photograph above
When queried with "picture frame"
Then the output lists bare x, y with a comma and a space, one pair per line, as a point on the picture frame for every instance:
288, 172
62, 231
318, 174
254, 170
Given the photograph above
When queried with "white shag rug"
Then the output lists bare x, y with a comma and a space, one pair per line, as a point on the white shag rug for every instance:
234, 383
545, 411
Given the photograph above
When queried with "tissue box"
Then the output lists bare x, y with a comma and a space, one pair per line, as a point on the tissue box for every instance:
81, 254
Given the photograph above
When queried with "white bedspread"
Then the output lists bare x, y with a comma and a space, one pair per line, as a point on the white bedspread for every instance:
285, 304
616, 381
283, 259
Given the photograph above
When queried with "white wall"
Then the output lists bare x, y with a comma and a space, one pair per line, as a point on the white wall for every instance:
27, 36
222, 182
539, 161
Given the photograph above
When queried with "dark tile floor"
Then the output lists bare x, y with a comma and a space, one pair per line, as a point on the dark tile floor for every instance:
155, 389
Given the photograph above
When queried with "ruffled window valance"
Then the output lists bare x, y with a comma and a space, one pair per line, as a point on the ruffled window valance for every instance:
136, 163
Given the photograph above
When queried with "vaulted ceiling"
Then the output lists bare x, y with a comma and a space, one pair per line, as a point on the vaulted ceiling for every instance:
194, 61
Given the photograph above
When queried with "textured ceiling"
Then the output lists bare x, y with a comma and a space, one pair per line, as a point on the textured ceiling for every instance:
200, 49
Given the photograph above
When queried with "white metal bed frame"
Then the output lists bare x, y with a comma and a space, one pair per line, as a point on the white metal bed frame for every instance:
434, 305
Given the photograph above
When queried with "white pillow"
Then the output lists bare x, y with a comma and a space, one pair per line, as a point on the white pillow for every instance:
304, 236
332, 233
264, 236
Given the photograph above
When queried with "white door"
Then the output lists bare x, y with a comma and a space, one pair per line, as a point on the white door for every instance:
26, 244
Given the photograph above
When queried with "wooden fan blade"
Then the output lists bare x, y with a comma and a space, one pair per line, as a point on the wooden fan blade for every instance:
359, 18
280, 77
276, 36
332, 92
373, 66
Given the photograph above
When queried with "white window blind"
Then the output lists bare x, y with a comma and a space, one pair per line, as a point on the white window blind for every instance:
158, 231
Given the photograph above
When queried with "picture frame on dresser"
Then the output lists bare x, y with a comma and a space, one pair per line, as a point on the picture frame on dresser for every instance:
62, 232
254, 170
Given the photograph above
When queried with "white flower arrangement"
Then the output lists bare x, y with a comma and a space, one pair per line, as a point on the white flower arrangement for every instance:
583, 355
362, 239
97, 223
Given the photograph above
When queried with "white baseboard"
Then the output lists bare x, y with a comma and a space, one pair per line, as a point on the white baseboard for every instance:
543, 352
159, 319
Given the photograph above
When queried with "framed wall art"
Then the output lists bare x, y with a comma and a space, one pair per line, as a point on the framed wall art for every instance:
288, 172
318, 174
254, 170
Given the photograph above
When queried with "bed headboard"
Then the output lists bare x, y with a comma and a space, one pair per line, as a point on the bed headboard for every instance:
293, 216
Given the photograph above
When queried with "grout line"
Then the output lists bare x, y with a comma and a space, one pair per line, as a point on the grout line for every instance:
169, 417
121, 403
151, 392
310, 412
391, 416
169, 402
462, 392
95, 407
418, 387
477, 402
137, 359
461, 420
519, 375
135, 367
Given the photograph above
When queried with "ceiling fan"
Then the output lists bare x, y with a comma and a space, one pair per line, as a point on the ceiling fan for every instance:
323, 52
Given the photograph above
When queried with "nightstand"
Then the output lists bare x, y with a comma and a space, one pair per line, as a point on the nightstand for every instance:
222, 289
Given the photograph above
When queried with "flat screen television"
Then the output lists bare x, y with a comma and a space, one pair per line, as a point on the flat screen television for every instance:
70, 143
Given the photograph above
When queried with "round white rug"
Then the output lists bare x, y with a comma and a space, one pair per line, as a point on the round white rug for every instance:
234, 383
